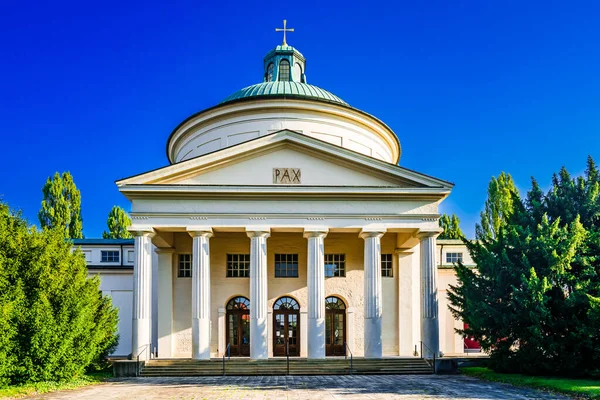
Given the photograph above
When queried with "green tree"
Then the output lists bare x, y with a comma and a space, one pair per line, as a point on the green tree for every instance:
118, 222
61, 206
533, 302
54, 320
498, 206
451, 226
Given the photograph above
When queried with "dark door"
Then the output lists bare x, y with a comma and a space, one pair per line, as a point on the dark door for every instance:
335, 327
238, 326
286, 327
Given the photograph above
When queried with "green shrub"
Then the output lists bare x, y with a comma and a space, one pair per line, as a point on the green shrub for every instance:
54, 320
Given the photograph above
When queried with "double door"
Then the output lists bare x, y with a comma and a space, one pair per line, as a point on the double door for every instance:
286, 325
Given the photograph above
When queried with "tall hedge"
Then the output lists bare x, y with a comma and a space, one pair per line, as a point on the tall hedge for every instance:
54, 321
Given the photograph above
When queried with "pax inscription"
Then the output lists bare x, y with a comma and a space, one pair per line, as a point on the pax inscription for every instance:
287, 176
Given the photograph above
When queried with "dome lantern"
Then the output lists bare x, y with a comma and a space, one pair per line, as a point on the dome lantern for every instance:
284, 63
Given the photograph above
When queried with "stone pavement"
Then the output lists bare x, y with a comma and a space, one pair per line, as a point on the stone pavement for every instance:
303, 387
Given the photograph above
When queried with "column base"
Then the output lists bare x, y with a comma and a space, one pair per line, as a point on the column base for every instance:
259, 348
316, 338
140, 344
201, 339
373, 344
430, 335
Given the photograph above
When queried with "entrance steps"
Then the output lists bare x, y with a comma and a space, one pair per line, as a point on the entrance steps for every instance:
278, 366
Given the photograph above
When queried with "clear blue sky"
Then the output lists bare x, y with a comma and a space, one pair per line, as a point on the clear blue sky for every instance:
472, 88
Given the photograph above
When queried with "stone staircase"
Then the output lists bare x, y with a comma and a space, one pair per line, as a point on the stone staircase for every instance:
278, 366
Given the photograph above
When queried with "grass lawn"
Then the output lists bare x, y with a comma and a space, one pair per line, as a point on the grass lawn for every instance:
582, 388
45, 387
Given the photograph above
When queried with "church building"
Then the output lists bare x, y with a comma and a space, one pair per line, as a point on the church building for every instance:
284, 222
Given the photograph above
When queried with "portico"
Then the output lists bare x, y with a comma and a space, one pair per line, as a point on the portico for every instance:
211, 290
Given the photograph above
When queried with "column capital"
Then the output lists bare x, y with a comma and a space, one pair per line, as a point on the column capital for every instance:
195, 231
372, 232
315, 232
432, 233
258, 231
142, 231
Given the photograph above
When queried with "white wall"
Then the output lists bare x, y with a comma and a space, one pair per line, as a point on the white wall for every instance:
119, 286
228, 126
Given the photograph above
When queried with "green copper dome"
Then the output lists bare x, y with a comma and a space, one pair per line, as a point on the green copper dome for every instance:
284, 76
285, 90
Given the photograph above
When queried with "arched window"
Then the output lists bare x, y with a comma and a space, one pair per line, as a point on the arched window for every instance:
238, 303
286, 303
334, 303
270, 70
284, 70
297, 72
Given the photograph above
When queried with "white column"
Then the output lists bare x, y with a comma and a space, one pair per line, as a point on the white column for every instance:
372, 292
406, 339
201, 294
165, 302
316, 292
430, 327
259, 348
142, 295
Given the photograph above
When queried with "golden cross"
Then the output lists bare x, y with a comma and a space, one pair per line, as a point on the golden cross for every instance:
284, 30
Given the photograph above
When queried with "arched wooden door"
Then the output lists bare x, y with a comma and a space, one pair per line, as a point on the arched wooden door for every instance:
286, 326
335, 326
238, 326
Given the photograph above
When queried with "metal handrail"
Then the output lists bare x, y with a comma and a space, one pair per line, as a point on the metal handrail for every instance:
137, 358
144, 347
431, 351
287, 354
228, 354
347, 350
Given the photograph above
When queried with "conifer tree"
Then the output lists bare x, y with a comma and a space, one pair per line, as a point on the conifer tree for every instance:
534, 301
118, 222
61, 206
451, 226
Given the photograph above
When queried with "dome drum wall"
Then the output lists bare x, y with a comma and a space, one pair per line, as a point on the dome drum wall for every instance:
234, 123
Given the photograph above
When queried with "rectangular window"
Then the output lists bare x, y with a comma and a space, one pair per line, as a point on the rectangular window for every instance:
286, 265
130, 256
452, 258
335, 265
110, 256
238, 265
184, 269
387, 269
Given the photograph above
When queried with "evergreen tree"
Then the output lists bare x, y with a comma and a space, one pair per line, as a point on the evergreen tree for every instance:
61, 206
118, 222
534, 301
451, 226
54, 320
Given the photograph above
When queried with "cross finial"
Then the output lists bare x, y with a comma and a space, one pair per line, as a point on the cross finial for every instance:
284, 30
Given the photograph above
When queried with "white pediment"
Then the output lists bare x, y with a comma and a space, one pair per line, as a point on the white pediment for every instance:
285, 166
308, 161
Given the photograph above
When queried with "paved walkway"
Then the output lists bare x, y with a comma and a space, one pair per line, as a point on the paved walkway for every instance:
303, 387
